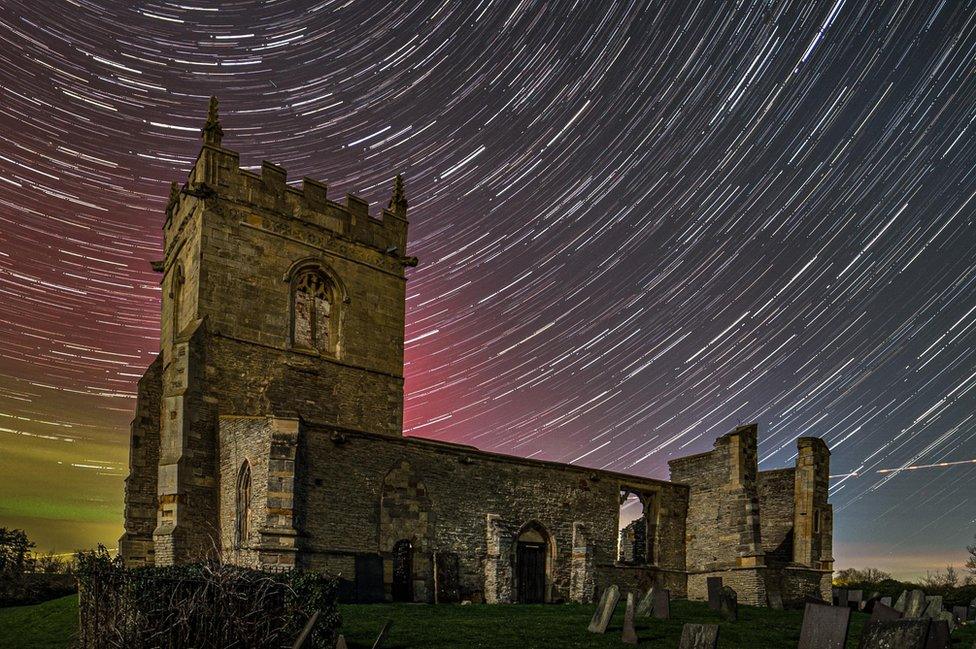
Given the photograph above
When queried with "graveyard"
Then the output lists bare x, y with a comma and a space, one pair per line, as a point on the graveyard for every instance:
51, 625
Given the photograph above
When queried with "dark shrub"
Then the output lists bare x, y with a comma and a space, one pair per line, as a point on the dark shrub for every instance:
201, 605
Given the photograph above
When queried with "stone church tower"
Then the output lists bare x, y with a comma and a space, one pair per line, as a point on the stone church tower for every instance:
276, 301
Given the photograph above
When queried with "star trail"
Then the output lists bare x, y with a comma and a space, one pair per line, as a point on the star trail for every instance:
639, 225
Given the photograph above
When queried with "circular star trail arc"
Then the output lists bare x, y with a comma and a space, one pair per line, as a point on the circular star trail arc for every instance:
639, 225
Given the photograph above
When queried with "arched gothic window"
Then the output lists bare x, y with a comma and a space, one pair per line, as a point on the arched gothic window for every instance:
242, 525
313, 312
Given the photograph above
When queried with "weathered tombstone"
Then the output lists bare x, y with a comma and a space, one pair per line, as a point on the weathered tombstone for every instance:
961, 613
938, 637
341, 643
729, 606
841, 597
662, 603
933, 607
646, 604
882, 613
381, 638
854, 598
824, 627
914, 604
699, 636
604, 610
895, 634
886, 601
901, 601
714, 585
629, 634
775, 600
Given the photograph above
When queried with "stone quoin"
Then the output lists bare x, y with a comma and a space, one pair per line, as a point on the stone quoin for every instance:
268, 433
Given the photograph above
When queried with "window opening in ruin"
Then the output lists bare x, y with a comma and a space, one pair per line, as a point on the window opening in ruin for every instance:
242, 527
816, 521
632, 529
312, 312
403, 571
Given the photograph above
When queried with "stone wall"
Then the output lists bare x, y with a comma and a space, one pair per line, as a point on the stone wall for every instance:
723, 526
358, 493
776, 513
136, 544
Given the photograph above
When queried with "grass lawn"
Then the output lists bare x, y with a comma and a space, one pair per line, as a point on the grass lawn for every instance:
469, 627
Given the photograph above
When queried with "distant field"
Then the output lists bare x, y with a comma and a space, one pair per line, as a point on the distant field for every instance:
51, 625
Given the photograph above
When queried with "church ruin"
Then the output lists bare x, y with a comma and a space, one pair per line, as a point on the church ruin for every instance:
268, 433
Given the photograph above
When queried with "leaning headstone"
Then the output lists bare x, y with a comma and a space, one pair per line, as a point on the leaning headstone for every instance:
714, 585
729, 605
307, 631
629, 635
341, 643
914, 604
646, 604
961, 613
895, 634
775, 600
604, 610
938, 637
699, 636
901, 601
886, 601
662, 603
882, 613
933, 607
824, 627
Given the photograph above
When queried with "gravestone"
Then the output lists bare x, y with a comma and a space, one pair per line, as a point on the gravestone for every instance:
824, 627
938, 637
895, 634
961, 613
699, 636
775, 600
854, 598
714, 585
369, 579
604, 610
646, 604
841, 597
341, 643
914, 604
629, 634
886, 601
729, 606
948, 618
901, 601
662, 603
933, 607
882, 613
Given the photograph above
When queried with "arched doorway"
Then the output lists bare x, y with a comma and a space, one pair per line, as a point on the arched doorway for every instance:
403, 571
532, 557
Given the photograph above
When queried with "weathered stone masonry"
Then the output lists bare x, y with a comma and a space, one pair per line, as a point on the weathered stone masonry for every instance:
269, 433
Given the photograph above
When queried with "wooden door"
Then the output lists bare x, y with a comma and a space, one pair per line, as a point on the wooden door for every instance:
531, 573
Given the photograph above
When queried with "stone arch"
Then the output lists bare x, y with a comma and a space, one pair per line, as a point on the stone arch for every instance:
533, 555
316, 297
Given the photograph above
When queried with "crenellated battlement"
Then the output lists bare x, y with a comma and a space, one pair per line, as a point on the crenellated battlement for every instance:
217, 173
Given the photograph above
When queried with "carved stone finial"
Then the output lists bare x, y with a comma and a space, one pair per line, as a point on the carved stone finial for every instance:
398, 202
212, 132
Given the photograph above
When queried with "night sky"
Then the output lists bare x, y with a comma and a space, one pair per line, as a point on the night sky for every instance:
639, 225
